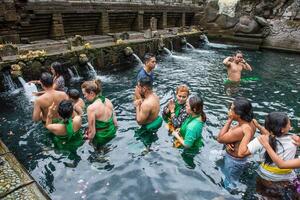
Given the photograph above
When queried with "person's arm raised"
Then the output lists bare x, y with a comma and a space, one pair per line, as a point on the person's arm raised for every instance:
243, 149
227, 61
56, 129
142, 111
288, 164
246, 66
262, 129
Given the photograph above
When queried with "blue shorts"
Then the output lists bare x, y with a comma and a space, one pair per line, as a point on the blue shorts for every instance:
233, 168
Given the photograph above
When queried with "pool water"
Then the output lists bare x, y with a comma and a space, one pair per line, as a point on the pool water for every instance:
122, 170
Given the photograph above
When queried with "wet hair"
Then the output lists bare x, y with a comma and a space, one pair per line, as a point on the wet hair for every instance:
243, 108
148, 56
196, 104
60, 70
238, 52
183, 88
65, 110
92, 86
145, 82
274, 122
46, 79
73, 94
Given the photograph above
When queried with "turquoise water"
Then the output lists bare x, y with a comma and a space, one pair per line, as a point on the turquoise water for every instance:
121, 170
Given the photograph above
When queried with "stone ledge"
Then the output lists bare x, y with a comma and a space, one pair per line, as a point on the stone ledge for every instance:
15, 181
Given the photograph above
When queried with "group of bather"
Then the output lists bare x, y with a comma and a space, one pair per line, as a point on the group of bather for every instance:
62, 111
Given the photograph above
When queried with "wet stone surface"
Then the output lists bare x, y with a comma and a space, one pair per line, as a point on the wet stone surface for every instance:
8, 177
21, 194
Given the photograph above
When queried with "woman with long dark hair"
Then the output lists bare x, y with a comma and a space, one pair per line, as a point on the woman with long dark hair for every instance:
191, 130
273, 181
235, 162
66, 130
60, 76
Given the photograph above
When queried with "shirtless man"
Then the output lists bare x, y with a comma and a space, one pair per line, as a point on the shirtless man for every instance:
147, 110
242, 133
50, 96
235, 66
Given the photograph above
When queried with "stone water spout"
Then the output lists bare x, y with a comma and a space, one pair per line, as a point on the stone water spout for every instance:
161, 44
15, 70
84, 62
129, 52
83, 59
183, 41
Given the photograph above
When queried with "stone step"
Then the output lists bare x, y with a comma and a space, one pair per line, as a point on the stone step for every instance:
17, 182
249, 35
99, 40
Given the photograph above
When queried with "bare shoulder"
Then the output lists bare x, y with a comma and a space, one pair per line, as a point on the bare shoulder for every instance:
108, 103
247, 128
62, 94
77, 119
91, 108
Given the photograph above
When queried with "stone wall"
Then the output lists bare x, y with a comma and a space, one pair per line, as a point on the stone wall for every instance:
108, 57
276, 22
23, 21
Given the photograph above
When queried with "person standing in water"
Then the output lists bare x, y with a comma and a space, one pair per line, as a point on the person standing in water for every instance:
147, 70
102, 120
190, 134
235, 65
49, 96
78, 103
174, 113
147, 109
273, 182
234, 164
60, 76
66, 131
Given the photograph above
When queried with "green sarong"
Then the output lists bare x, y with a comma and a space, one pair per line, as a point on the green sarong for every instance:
105, 131
71, 141
147, 133
243, 80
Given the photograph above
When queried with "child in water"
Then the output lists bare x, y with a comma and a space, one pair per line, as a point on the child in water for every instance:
78, 103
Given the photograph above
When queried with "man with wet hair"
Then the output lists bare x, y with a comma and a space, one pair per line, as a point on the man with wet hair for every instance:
50, 96
235, 65
147, 110
147, 70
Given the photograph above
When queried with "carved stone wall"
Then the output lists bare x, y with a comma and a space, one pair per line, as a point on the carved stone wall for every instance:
28, 20
275, 21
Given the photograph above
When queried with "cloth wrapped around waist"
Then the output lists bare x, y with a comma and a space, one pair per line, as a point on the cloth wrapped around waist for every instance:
147, 132
105, 131
275, 170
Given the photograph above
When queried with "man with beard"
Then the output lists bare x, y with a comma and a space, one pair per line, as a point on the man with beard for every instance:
147, 110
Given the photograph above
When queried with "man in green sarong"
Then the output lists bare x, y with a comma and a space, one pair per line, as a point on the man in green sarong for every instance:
235, 65
147, 110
